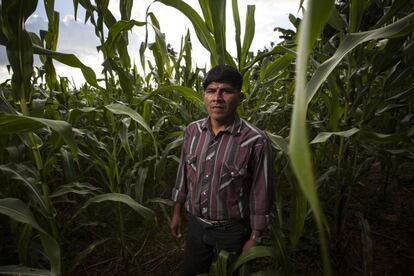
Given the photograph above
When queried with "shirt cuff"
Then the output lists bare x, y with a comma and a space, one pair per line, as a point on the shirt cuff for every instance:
178, 196
259, 222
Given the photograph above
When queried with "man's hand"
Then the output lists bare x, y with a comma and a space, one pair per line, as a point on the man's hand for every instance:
253, 240
175, 224
249, 244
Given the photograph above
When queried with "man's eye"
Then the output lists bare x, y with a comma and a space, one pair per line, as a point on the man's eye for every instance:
229, 91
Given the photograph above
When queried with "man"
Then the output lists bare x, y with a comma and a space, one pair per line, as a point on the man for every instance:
224, 179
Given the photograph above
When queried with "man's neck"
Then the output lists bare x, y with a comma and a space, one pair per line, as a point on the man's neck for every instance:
217, 126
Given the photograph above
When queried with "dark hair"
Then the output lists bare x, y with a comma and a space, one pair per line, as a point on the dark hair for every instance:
224, 74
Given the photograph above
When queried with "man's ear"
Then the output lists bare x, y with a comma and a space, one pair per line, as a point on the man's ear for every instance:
241, 96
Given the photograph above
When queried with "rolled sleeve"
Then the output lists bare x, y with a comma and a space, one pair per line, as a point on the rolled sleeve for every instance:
261, 193
178, 196
179, 192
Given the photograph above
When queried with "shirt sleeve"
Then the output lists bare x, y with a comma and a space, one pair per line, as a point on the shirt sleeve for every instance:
261, 192
179, 192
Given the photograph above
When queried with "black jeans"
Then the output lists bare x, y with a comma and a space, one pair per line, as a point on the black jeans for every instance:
204, 242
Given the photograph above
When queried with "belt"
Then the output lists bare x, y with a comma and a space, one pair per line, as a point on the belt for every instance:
216, 222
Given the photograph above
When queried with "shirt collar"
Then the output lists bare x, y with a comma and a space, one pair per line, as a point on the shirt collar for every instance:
233, 129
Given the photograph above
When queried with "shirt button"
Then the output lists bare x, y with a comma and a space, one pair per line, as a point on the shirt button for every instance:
207, 175
204, 210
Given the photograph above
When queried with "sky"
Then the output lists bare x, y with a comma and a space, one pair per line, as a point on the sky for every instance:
79, 38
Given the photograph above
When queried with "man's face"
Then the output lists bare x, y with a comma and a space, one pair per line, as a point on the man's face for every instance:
221, 101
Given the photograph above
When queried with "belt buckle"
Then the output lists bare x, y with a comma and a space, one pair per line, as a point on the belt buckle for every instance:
219, 223
215, 223
206, 221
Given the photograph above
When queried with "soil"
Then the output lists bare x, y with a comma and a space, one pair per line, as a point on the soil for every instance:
388, 208
384, 208
377, 239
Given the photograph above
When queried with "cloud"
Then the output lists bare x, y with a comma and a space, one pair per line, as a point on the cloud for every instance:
35, 23
75, 37
79, 38
3, 56
268, 15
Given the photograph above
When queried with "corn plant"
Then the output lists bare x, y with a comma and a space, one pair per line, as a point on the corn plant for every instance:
401, 31
334, 97
46, 144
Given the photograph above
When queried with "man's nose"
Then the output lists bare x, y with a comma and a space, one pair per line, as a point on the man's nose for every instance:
218, 96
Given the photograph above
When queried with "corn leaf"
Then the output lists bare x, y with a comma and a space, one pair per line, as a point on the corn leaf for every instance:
68, 165
123, 136
219, 267
267, 273
253, 253
278, 142
398, 28
75, 188
382, 137
208, 19
313, 21
324, 136
249, 31
121, 109
218, 17
273, 68
200, 26
11, 124
237, 27
17, 210
18, 44
298, 214
161, 48
276, 50
20, 55
145, 212
140, 184
115, 33
356, 13
23, 270
186, 92
80, 256
124, 76
279, 244
70, 60
29, 178
75, 113
395, 7
336, 21
366, 241
125, 7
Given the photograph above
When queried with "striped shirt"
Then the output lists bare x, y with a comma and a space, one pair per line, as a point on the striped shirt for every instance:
226, 176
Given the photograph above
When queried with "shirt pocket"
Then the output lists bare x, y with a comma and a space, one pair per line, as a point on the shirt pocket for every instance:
191, 166
235, 173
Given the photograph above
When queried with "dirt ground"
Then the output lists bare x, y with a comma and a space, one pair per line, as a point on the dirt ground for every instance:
387, 209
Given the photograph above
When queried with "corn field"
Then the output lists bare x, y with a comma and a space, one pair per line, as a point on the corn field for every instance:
86, 172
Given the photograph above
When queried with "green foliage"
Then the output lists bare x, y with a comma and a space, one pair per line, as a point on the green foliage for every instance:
299, 152
17, 210
99, 161
222, 267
